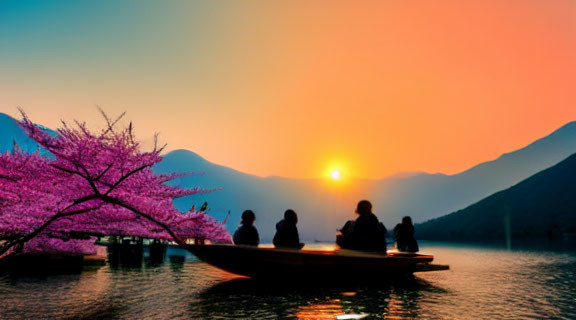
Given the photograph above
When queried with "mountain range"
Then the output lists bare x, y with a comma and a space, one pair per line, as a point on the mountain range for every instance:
543, 204
323, 206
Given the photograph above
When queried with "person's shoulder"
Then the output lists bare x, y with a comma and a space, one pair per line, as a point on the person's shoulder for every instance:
372, 218
237, 233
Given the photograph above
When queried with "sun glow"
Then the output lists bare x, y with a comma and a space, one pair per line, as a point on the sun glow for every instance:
336, 175
337, 172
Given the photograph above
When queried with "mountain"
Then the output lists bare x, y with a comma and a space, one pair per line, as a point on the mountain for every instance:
267, 197
11, 133
545, 203
324, 206
429, 196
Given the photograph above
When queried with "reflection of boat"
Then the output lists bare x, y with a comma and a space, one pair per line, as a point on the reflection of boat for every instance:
311, 264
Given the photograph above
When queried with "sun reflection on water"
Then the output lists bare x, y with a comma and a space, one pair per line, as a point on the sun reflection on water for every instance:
320, 311
482, 283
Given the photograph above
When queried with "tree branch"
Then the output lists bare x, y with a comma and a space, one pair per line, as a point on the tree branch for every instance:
89, 178
68, 171
124, 177
103, 172
85, 177
144, 215
22, 240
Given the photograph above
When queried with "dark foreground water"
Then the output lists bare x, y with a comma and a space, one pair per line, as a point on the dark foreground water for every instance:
484, 283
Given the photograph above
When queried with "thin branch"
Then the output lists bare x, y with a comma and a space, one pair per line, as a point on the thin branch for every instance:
68, 171
124, 177
89, 178
75, 212
144, 215
109, 122
155, 141
22, 240
79, 201
104, 172
130, 132
118, 119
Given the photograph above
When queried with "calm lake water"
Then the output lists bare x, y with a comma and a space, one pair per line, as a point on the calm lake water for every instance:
537, 281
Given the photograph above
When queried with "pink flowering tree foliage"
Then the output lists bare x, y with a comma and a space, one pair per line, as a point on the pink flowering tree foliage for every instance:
96, 184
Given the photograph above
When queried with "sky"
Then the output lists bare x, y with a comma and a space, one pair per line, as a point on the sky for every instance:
299, 88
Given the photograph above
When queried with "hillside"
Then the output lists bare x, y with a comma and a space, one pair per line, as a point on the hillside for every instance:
324, 206
544, 203
429, 196
11, 133
267, 197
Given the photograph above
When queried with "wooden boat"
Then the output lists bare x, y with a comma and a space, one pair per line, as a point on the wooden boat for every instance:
311, 264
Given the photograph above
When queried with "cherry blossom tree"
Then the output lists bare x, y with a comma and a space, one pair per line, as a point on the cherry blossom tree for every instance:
95, 184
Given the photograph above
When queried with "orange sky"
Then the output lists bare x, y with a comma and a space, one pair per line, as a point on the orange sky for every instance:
292, 88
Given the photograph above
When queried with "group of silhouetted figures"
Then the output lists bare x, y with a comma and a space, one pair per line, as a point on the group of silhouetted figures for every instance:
366, 233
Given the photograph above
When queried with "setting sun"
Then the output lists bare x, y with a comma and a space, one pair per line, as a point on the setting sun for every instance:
335, 174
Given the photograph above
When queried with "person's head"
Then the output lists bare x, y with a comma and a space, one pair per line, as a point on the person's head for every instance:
407, 221
290, 216
248, 217
364, 207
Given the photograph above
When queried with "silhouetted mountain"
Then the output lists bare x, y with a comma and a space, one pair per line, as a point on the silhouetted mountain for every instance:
11, 133
267, 197
324, 206
428, 196
542, 204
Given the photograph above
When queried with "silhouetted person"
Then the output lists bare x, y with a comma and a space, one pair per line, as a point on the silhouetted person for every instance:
286, 232
404, 235
247, 234
366, 233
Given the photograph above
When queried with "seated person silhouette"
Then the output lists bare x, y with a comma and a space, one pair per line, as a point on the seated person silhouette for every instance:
247, 234
404, 236
366, 233
286, 232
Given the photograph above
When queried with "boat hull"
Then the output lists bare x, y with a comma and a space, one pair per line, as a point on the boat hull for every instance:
311, 264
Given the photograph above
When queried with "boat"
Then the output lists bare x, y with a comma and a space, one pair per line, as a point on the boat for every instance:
275, 263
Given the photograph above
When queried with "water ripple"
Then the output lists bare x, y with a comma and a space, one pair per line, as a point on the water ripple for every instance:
482, 284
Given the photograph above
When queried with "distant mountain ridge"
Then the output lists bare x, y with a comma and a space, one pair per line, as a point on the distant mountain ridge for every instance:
430, 196
268, 197
543, 204
323, 207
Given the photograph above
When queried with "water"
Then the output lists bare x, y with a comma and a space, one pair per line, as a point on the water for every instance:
484, 283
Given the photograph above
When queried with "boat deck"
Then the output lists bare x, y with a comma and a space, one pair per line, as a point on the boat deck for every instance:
305, 264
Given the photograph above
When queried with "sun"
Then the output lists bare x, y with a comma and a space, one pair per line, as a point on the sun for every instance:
335, 175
